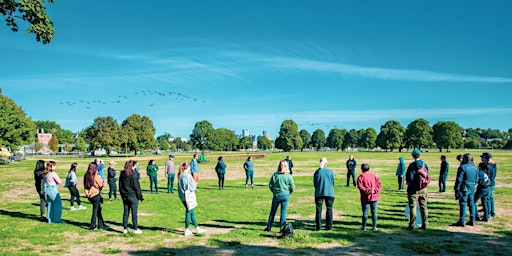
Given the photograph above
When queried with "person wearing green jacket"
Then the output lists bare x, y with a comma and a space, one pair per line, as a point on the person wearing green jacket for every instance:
152, 172
281, 184
220, 168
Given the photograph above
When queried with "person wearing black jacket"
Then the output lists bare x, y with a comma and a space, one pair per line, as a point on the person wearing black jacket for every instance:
112, 178
443, 174
131, 193
38, 179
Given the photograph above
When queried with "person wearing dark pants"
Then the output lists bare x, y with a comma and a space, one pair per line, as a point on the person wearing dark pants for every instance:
38, 182
443, 174
487, 159
351, 170
129, 188
97, 216
323, 180
93, 185
400, 173
249, 171
112, 179
220, 168
369, 188
152, 172
467, 177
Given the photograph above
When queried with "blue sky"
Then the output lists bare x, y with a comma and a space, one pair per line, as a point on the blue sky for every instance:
253, 64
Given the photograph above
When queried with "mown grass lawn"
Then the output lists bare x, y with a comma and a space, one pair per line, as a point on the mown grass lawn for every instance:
235, 217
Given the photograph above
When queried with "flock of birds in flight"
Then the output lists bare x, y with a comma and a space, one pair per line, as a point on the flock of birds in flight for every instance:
123, 98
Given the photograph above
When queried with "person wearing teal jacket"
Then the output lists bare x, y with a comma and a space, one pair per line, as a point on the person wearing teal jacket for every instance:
323, 180
152, 172
400, 172
220, 168
281, 184
249, 171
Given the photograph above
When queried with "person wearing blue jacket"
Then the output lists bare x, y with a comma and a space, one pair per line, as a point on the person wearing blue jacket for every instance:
487, 158
323, 180
467, 177
220, 168
443, 174
249, 171
415, 195
400, 172
351, 170
483, 190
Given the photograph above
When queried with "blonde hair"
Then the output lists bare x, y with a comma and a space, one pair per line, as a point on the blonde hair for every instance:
283, 167
323, 162
183, 167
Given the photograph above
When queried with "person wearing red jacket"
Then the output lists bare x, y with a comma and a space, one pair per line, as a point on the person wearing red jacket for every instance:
369, 187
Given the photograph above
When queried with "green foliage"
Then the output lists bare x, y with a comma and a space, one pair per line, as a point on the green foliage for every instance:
368, 139
139, 132
65, 136
16, 129
245, 142
447, 135
32, 11
223, 139
318, 139
177, 143
335, 139
54, 144
418, 134
350, 139
306, 138
111, 251
289, 138
38, 146
103, 133
80, 144
203, 130
264, 143
391, 135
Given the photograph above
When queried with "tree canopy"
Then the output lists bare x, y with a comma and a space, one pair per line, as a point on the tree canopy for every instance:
140, 132
65, 136
264, 143
418, 134
103, 133
318, 139
335, 139
203, 130
391, 135
31, 11
306, 138
289, 138
447, 135
16, 129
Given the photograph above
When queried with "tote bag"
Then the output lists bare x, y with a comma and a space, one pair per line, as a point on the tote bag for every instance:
190, 199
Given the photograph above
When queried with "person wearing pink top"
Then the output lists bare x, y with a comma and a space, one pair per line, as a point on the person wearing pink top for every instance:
369, 187
51, 189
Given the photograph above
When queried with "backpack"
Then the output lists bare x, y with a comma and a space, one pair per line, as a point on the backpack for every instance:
67, 183
424, 177
485, 182
287, 230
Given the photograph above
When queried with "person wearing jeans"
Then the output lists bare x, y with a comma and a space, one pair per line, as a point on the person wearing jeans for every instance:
152, 172
249, 171
281, 184
129, 188
369, 188
323, 180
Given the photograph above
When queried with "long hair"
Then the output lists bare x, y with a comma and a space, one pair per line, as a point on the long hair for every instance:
151, 162
183, 167
49, 167
483, 166
283, 168
90, 175
40, 167
73, 167
249, 158
128, 167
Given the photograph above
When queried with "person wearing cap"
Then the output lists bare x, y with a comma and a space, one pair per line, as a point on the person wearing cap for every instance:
467, 177
170, 173
369, 188
400, 172
112, 180
443, 174
487, 159
351, 170
323, 180
415, 195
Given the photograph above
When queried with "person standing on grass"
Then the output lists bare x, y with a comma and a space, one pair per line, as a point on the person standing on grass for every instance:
249, 171
93, 185
323, 180
483, 190
112, 180
282, 186
400, 172
136, 169
52, 182
38, 182
194, 168
443, 174
290, 164
130, 191
187, 183
459, 158
101, 166
467, 177
369, 188
220, 169
351, 170
152, 172
415, 195
487, 159
75, 195
170, 173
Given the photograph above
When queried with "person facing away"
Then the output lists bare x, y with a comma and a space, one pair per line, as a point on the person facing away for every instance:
400, 172
75, 195
282, 186
101, 166
483, 190
136, 170
369, 188
290, 164
459, 159
467, 176
170, 173
187, 183
323, 181
493, 169
129, 188
194, 168
152, 172
415, 195
38, 183
93, 185
112, 180
443, 174
52, 182
249, 171
220, 169
351, 170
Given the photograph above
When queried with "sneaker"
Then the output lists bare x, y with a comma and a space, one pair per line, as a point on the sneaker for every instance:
110, 199
374, 228
125, 231
252, 186
81, 207
200, 230
245, 185
362, 228
470, 223
458, 224
74, 209
137, 231
187, 232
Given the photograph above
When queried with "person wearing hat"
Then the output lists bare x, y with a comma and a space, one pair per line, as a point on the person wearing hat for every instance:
487, 159
112, 179
415, 195
170, 173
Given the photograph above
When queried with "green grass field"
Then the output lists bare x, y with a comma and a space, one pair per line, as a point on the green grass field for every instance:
235, 217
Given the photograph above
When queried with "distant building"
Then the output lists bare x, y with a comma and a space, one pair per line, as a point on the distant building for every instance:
266, 134
43, 138
245, 132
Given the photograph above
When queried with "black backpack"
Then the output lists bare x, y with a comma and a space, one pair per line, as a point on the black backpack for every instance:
287, 230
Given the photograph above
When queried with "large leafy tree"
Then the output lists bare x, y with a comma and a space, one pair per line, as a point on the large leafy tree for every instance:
80, 144
368, 139
306, 138
447, 135
16, 129
31, 11
163, 141
103, 133
223, 140
351, 138
289, 137
65, 136
418, 134
335, 139
140, 131
201, 133
245, 142
318, 139
264, 143
391, 135
54, 144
